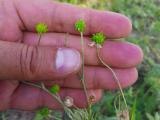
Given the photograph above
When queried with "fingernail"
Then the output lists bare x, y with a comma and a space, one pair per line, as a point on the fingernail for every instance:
67, 60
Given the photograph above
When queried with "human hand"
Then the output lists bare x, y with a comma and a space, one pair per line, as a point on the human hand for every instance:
21, 59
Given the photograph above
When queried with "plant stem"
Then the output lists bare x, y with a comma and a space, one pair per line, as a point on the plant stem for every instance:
55, 96
83, 79
114, 75
89, 110
117, 98
83, 76
46, 90
42, 84
39, 39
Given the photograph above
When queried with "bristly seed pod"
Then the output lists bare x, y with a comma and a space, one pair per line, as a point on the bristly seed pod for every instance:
68, 101
98, 38
80, 25
92, 99
54, 89
41, 28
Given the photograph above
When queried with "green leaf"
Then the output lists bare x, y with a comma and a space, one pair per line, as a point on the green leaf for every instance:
155, 27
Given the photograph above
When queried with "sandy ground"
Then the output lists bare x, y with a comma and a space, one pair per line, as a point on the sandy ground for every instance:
18, 115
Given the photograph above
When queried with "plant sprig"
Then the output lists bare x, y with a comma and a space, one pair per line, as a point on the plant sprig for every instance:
98, 40
41, 28
80, 26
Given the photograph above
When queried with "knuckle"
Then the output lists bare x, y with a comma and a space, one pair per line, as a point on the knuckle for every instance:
28, 64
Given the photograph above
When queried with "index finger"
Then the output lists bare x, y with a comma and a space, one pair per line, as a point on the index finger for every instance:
61, 18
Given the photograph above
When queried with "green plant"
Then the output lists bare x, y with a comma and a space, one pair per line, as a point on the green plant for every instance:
41, 28
80, 26
3, 116
98, 40
77, 114
42, 114
72, 114
155, 117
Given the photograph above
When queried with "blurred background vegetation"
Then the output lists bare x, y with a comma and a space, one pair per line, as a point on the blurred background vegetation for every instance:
144, 97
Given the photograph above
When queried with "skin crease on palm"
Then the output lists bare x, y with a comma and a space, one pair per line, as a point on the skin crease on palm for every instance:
18, 37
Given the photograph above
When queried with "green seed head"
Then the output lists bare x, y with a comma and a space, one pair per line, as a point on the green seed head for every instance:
41, 28
99, 38
54, 89
44, 112
80, 25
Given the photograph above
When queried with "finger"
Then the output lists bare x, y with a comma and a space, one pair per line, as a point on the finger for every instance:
99, 78
23, 99
24, 62
61, 18
116, 54
7, 87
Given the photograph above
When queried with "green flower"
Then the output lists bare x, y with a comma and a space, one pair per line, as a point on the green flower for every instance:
80, 25
54, 89
98, 38
41, 28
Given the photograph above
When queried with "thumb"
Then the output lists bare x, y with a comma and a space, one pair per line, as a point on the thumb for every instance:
24, 62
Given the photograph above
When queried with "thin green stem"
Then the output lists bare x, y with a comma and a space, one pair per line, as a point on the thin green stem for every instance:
42, 84
83, 76
31, 84
83, 79
114, 75
115, 103
89, 112
55, 96
46, 90
39, 40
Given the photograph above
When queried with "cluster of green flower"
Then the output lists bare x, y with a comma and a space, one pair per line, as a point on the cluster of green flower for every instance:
97, 40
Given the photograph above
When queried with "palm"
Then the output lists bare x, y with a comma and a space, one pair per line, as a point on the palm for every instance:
18, 20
